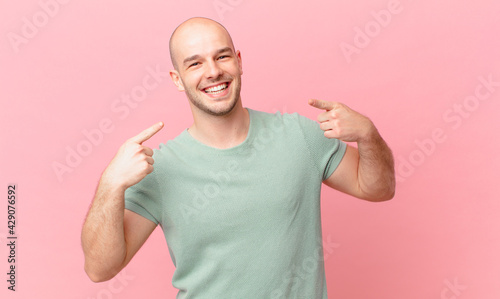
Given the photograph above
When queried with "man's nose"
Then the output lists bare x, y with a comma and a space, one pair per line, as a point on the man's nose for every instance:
213, 70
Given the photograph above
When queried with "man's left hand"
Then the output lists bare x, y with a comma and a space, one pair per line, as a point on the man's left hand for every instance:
343, 123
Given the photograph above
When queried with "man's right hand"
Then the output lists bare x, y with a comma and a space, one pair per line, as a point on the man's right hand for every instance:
133, 161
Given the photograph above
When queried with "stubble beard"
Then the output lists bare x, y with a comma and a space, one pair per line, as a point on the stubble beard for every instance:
201, 104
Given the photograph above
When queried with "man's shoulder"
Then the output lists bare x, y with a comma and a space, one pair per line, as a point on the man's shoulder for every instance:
178, 143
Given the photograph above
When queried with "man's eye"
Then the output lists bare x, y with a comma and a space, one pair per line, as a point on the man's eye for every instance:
194, 64
221, 57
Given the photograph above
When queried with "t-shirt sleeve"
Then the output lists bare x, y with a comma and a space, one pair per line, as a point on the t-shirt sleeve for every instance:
143, 198
326, 153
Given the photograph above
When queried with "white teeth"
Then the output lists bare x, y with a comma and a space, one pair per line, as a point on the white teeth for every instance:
217, 88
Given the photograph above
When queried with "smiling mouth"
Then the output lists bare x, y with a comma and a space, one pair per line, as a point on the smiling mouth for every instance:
217, 89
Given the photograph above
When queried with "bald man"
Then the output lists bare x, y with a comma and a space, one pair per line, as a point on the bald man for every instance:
237, 194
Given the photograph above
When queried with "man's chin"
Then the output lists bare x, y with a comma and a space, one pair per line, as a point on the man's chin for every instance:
215, 106
216, 109
223, 111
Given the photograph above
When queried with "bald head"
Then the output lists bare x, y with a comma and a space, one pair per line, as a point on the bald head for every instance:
192, 32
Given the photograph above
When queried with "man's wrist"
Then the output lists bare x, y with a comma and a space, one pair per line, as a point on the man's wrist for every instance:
371, 134
109, 183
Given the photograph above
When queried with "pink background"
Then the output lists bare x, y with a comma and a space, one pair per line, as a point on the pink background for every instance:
443, 226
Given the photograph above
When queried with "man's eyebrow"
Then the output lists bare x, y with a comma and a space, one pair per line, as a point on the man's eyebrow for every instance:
194, 57
191, 58
226, 49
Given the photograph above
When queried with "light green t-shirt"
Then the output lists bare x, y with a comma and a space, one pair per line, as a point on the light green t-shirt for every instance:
243, 222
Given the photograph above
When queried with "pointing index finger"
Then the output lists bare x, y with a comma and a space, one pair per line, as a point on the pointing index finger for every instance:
148, 133
320, 104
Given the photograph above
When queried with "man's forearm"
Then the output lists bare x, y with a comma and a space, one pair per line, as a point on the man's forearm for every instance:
376, 168
103, 235
103, 238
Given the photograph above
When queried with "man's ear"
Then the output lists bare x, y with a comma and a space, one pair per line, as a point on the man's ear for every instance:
238, 56
176, 78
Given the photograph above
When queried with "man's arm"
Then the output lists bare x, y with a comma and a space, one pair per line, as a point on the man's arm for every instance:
112, 235
366, 172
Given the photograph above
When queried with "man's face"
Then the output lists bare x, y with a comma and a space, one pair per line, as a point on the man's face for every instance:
209, 70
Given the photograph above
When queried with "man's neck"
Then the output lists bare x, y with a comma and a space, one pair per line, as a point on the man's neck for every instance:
221, 131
